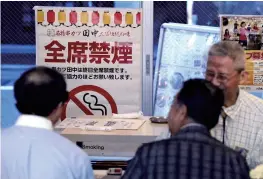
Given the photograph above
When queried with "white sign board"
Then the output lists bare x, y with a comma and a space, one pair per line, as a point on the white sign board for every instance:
99, 52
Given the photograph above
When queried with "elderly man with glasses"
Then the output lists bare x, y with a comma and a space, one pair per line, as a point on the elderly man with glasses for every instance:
241, 122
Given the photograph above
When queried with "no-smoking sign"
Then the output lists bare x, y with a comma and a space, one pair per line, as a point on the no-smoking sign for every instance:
87, 106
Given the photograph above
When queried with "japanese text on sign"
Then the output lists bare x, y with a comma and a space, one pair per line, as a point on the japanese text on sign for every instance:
252, 55
98, 52
94, 73
89, 70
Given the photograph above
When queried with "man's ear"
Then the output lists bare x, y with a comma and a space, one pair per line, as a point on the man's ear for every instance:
58, 108
180, 112
245, 76
183, 112
60, 105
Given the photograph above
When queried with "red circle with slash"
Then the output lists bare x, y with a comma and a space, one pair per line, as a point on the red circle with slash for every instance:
75, 91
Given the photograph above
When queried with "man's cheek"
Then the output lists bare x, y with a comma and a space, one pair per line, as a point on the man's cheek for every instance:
230, 86
222, 87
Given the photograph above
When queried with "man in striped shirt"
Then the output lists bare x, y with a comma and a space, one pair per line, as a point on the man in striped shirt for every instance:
191, 152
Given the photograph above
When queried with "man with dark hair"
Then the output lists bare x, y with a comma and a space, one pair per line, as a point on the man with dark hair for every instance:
191, 152
30, 149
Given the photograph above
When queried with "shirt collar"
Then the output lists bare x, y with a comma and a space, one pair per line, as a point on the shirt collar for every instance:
234, 109
194, 127
34, 121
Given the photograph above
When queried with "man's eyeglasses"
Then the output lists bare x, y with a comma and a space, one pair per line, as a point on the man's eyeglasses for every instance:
221, 77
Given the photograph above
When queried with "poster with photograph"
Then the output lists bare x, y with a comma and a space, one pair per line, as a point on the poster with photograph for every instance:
248, 32
245, 30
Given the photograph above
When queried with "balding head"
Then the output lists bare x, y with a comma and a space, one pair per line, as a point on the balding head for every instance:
39, 91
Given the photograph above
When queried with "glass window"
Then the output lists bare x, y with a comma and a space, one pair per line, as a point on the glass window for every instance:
205, 13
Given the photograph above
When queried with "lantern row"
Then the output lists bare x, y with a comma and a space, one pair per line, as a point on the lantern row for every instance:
84, 18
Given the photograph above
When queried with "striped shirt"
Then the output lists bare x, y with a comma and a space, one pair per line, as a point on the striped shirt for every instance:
191, 154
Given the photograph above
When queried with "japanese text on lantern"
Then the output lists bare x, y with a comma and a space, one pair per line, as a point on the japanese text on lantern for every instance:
89, 52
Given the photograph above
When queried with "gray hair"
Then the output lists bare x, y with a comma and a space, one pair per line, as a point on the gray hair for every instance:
229, 49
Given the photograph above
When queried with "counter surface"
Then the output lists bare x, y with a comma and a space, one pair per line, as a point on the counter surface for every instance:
147, 129
116, 143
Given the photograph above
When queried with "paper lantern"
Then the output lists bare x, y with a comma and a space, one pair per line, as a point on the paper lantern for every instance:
138, 18
51, 16
73, 17
84, 17
129, 18
95, 17
40, 16
61, 17
117, 18
106, 18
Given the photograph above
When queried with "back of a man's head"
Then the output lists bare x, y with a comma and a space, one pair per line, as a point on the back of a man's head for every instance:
203, 101
39, 91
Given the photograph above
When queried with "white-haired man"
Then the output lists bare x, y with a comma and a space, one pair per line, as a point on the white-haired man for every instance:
241, 122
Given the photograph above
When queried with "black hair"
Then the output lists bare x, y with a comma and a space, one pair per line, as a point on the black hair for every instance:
39, 91
203, 101
242, 23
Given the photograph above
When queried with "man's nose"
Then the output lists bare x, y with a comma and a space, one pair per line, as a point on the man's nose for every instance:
215, 82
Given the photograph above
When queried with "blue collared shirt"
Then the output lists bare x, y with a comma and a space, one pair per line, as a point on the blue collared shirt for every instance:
32, 150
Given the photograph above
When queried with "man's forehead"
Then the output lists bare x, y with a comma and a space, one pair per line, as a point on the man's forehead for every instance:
220, 62
220, 59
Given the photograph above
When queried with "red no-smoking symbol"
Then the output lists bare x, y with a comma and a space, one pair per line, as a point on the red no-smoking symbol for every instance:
86, 88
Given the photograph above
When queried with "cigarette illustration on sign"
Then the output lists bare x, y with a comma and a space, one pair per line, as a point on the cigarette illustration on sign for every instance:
91, 105
95, 106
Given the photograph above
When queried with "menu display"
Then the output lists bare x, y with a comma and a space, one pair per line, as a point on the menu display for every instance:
181, 55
